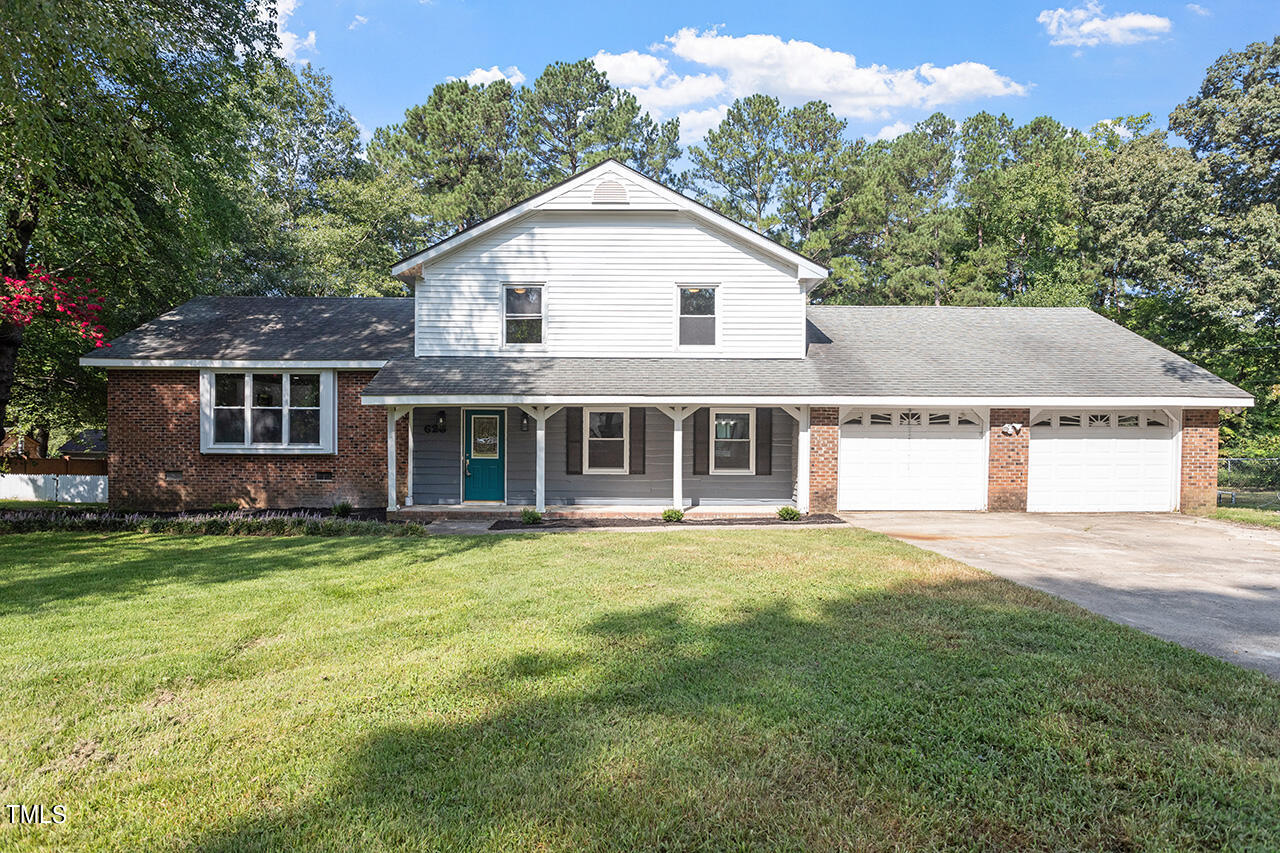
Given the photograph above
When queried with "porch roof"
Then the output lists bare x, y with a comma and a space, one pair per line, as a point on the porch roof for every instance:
854, 353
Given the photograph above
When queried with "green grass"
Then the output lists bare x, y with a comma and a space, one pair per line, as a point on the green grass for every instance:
676, 690
42, 505
1263, 517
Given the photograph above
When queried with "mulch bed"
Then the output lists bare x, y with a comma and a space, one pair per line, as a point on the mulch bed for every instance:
582, 523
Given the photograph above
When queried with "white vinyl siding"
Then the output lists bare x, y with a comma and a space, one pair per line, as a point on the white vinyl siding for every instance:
610, 276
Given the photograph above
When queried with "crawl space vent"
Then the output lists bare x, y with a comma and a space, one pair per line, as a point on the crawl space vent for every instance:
609, 192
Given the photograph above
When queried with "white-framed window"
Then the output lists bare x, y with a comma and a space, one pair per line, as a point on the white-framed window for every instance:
696, 315
267, 411
605, 440
914, 419
523, 318
1102, 420
733, 441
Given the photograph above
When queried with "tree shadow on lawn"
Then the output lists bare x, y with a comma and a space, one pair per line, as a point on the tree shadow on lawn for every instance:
969, 714
115, 565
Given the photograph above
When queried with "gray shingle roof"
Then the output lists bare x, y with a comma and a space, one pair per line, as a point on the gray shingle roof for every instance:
302, 328
853, 352
860, 352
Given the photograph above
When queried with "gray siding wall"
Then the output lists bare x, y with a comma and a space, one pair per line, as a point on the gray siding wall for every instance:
437, 466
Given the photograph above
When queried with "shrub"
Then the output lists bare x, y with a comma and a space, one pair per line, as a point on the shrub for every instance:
342, 509
673, 514
530, 516
788, 513
203, 524
225, 506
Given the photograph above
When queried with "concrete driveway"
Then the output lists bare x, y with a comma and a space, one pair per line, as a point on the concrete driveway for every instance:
1209, 585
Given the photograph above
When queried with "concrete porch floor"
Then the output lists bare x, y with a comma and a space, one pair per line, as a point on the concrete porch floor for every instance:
496, 511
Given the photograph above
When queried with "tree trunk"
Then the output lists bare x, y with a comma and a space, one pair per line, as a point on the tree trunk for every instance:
10, 342
21, 221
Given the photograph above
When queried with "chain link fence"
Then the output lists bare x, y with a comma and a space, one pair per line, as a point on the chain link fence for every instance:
1250, 482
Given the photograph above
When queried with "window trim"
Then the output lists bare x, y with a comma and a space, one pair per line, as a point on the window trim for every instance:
328, 443
695, 348
542, 317
751, 441
587, 439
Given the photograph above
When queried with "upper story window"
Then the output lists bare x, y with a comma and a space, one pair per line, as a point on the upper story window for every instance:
697, 315
260, 411
732, 441
522, 309
604, 443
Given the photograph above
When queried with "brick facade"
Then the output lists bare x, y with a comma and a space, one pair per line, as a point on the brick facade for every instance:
153, 421
1199, 459
1008, 461
824, 455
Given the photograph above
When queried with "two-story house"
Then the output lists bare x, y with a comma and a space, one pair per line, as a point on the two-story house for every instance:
609, 342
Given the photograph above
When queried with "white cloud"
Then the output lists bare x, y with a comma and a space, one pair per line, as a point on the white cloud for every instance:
694, 124
358, 21
482, 76
632, 68
797, 71
1086, 26
891, 131
291, 44
1197, 9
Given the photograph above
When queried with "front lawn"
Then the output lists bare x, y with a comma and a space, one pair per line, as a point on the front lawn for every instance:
679, 690
1264, 517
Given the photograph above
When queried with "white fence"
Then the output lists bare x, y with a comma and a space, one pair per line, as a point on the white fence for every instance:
67, 488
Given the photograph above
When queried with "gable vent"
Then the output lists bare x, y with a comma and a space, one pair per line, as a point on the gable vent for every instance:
609, 192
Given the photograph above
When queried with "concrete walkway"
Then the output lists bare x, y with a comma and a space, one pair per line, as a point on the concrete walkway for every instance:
1209, 585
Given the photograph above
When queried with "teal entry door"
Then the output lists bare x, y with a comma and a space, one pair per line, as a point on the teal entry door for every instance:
484, 475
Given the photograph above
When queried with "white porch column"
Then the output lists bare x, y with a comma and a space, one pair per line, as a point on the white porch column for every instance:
540, 467
802, 462
677, 415
393, 415
408, 471
392, 505
540, 414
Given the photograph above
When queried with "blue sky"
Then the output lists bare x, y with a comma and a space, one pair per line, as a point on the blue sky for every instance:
882, 65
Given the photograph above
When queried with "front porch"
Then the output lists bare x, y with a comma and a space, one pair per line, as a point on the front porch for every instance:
492, 460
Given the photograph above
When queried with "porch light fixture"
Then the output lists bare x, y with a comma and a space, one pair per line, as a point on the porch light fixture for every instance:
440, 421
520, 290
524, 421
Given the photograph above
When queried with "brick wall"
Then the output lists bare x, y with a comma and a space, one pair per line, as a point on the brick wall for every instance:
824, 454
1199, 459
1007, 469
153, 423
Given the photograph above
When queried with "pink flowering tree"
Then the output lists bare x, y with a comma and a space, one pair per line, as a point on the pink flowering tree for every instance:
42, 297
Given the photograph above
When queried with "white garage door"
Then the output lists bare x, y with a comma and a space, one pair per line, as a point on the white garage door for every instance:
1102, 462
916, 459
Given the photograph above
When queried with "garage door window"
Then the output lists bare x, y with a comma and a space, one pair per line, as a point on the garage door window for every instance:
912, 419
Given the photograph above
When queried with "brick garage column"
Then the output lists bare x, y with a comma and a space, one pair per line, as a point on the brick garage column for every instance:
1199, 459
824, 455
1007, 466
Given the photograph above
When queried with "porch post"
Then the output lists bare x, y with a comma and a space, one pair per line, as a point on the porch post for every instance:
392, 505
677, 415
540, 468
677, 467
408, 473
802, 462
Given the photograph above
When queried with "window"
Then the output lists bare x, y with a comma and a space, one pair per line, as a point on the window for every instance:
522, 306
697, 315
267, 411
1155, 421
1068, 420
964, 419
939, 419
855, 419
908, 419
881, 419
1043, 422
1099, 420
732, 442
1127, 420
604, 443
